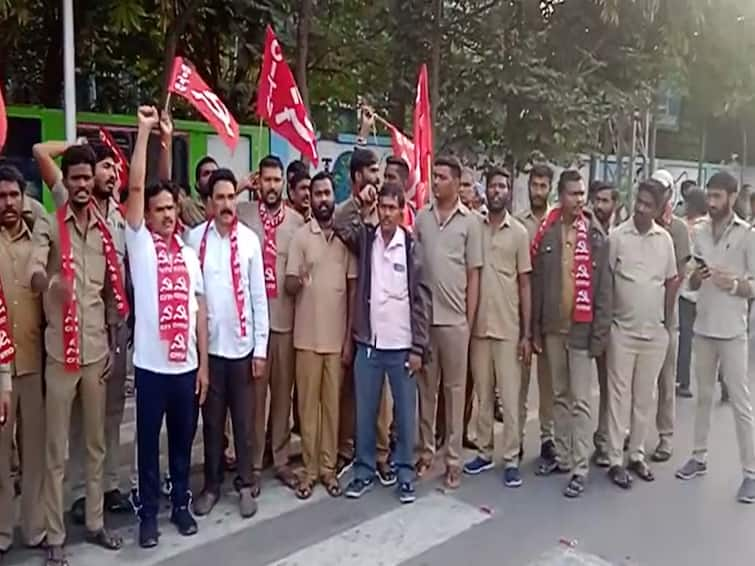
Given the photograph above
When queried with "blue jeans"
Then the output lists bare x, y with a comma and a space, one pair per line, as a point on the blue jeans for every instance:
370, 368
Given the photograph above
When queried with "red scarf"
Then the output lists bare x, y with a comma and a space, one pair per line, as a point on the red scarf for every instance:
172, 297
7, 350
270, 223
583, 293
238, 289
71, 347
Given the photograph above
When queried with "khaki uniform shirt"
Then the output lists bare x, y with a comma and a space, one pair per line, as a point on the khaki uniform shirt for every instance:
24, 305
640, 265
322, 303
351, 204
193, 210
92, 287
531, 222
680, 236
450, 249
506, 254
720, 314
281, 308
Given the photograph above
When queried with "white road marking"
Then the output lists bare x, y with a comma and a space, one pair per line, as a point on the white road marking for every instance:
393, 537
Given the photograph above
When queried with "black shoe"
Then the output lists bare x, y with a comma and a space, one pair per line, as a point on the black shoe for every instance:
184, 522
79, 511
116, 502
548, 450
149, 536
683, 392
498, 412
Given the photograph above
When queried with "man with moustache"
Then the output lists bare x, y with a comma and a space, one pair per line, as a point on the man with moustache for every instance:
170, 338
230, 256
320, 274
604, 200
21, 355
274, 224
539, 184
297, 179
105, 187
194, 208
75, 265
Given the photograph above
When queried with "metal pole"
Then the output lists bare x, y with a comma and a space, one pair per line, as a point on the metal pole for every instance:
69, 71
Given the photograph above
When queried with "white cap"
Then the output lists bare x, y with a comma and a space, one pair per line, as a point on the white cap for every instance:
664, 178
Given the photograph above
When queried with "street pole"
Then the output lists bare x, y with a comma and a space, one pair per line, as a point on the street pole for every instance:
69, 72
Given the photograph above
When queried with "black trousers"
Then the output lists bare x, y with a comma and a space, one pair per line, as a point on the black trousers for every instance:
230, 390
687, 314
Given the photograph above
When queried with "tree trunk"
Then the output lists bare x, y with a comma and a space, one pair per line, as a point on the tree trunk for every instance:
52, 71
302, 48
435, 60
173, 34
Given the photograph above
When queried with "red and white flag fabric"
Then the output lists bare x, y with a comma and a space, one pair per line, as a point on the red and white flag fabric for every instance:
279, 102
186, 82
121, 163
403, 147
423, 137
3, 122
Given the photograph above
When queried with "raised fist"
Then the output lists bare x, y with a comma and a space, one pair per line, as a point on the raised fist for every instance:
148, 116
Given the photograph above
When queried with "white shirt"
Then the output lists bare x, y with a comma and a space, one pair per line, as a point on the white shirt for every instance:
150, 352
390, 315
223, 319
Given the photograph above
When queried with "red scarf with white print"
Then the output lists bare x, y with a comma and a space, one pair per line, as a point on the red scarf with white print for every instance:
238, 289
7, 349
270, 223
71, 346
583, 293
172, 296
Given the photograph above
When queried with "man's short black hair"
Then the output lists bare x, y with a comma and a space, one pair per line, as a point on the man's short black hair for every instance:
451, 162
296, 178
319, 177
541, 170
393, 190
695, 202
202, 162
102, 152
218, 175
655, 189
271, 162
155, 189
77, 155
296, 166
725, 181
10, 174
568, 176
402, 166
496, 172
361, 158
687, 185
600, 186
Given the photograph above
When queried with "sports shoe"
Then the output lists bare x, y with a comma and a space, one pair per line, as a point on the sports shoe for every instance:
167, 486
184, 522
478, 465
746, 493
406, 493
512, 477
386, 475
357, 488
343, 465
692, 469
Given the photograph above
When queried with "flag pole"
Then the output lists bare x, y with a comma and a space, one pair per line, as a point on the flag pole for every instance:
166, 108
69, 72
259, 138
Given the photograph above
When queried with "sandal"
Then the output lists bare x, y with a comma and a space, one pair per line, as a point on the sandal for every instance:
661, 455
56, 556
332, 486
575, 487
104, 539
286, 476
620, 476
304, 487
422, 467
641, 470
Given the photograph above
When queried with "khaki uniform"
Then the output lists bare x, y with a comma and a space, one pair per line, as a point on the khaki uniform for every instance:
27, 323
95, 309
544, 381
720, 340
321, 313
193, 211
451, 249
279, 371
640, 264
496, 333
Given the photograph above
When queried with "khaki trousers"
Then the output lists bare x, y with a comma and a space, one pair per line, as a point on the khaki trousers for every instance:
447, 366
279, 378
600, 438
62, 389
730, 356
633, 367
665, 416
495, 366
573, 374
27, 402
545, 399
318, 382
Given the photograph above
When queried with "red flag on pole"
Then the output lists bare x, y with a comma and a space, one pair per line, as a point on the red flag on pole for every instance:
403, 147
186, 82
121, 164
3, 122
423, 138
279, 102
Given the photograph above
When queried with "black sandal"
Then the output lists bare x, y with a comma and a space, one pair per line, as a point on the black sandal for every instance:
620, 476
104, 539
642, 470
575, 487
56, 556
304, 489
332, 486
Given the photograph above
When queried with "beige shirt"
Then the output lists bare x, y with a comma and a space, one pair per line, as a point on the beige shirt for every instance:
25, 312
640, 265
350, 204
450, 249
531, 222
720, 314
322, 303
281, 308
506, 254
92, 287
680, 237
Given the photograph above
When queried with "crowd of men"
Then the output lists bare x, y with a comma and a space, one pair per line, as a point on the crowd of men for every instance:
372, 337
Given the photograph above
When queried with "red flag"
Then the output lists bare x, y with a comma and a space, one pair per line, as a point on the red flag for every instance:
423, 137
121, 164
3, 122
279, 102
403, 147
186, 82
